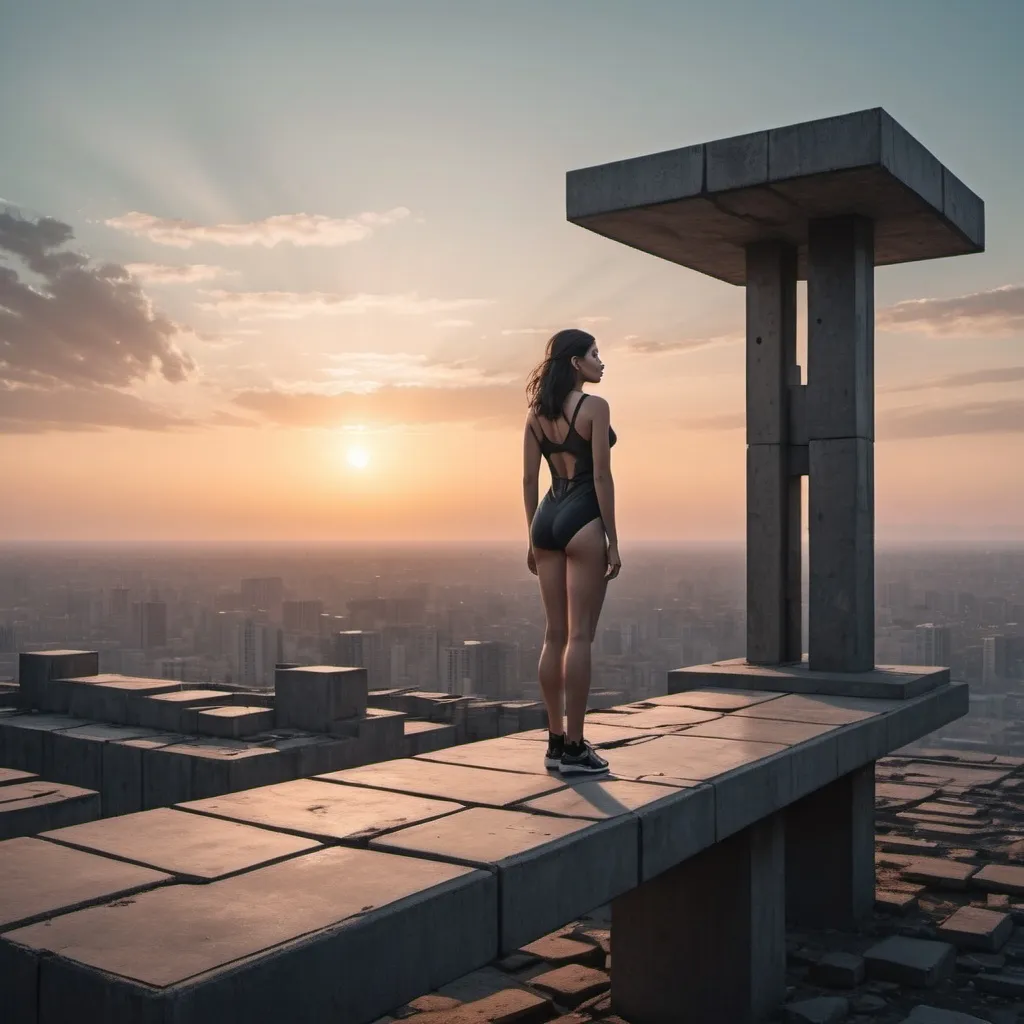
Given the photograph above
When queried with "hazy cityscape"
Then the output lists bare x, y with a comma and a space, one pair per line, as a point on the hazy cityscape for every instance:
468, 620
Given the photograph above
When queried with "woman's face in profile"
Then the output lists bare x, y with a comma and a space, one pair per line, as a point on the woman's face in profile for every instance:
591, 367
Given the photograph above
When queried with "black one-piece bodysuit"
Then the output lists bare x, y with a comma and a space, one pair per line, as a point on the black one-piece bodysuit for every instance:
571, 502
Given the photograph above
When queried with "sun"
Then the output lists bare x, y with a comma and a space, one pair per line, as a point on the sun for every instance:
358, 457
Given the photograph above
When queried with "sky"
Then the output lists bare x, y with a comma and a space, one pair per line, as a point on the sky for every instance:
278, 271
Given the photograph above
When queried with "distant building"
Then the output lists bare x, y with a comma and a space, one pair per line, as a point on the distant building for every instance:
488, 668
257, 649
302, 616
264, 594
993, 660
150, 624
933, 644
361, 648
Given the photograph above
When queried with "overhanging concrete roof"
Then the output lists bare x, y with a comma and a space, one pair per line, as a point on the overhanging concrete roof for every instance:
699, 206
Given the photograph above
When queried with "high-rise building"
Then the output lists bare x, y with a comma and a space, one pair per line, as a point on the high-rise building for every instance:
302, 616
119, 602
257, 649
933, 644
361, 648
993, 660
263, 594
487, 668
149, 624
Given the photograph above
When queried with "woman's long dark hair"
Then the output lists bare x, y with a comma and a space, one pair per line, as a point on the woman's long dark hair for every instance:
554, 377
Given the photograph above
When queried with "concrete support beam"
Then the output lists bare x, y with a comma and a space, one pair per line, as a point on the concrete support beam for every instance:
840, 434
773, 492
704, 942
830, 853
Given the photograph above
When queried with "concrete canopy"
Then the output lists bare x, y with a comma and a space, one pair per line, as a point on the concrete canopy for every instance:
699, 206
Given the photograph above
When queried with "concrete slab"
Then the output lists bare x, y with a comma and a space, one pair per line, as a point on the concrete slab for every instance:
314, 696
324, 810
600, 735
760, 730
917, 962
266, 944
658, 717
205, 768
192, 846
166, 710
8, 776
36, 805
508, 753
234, 721
976, 928
423, 737
25, 738
76, 755
715, 699
37, 668
551, 870
42, 879
674, 825
104, 697
125, 771
884, 682
701, 206
817, 709
467, 785
1004, 878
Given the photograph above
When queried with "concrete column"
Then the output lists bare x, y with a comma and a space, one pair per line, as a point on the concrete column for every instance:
840, 430
830, 853
773, 489
705, 942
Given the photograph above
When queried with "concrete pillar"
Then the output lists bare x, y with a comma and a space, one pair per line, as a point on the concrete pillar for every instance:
773, 488
830, 853
840, 432
705, 942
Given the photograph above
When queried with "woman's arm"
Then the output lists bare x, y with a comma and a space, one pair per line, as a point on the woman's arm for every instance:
531, 468
602, 467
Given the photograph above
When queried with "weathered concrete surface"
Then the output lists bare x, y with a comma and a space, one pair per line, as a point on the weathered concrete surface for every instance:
30, 807
467, 785
657, 717
169, 711
314, 696
127, 769
701, 206
104, 697
41, 879
192, 846
889, 682
76, 755
37, 668
324, 810
25, 739
551, 869
270, 944
715, 699
234, 721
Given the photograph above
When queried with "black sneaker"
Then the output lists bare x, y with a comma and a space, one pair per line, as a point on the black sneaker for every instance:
553, 756
581, 759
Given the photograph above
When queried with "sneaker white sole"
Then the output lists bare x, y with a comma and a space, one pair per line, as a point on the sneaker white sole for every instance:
552, 762
581, 769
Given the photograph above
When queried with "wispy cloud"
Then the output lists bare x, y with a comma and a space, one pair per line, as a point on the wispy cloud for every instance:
971, 378
161, 273
294, 305
389, 405
998, 311
303, 229
369, 371
669, 346
1005, 416
579, 321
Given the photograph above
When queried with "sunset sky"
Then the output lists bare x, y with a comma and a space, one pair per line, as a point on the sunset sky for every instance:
278, 271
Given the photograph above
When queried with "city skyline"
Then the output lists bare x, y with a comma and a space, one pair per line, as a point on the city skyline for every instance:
344, 244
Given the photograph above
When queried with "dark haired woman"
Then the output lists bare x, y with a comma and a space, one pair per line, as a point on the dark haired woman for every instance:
574, 548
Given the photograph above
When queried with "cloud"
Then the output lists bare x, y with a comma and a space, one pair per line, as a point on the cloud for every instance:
580, 321
388, 405
999, 311
674, 346
74, 323
301, 229
972, 378
1005, 416
160, 273
294, 305
368, 371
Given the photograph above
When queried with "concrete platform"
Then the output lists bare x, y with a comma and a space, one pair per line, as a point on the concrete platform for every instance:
30, 807
104, 697
885, 682
701, 205
263, 946
234, 721
170, 710
193, 847
323, 810
467, 785
549, 869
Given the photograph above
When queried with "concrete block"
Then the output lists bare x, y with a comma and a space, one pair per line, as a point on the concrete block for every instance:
25, 738
226, 766
314, 696
551, 870
30, 807
910, 162
825, 145
104, 698
37, 668
422, 737
939, 873
883, 682
381, 734
976, 928
44, 879
234, 721
309, 754
642, 181
837, 969
1004, 878
76, 755
738, 162
125, 769
270, 943
707, 935
323, 810
10, 776
919, 963
467, 785
657, 717
964, 209
192, 847
169, 711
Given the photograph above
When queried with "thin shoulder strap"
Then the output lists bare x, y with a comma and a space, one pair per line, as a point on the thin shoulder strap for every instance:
575, 412
529, 423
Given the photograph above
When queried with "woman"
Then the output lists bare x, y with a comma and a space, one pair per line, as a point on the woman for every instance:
569, 552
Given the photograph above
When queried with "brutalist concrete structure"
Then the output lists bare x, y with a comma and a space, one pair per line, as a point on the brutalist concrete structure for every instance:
825, 201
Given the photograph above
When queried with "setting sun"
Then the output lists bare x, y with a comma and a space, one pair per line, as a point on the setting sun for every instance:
358, 457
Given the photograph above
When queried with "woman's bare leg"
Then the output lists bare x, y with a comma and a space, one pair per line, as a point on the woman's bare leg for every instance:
551, 574
586, 565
